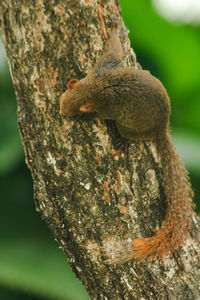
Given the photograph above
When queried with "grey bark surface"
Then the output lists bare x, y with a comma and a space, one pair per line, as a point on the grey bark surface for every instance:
86, 190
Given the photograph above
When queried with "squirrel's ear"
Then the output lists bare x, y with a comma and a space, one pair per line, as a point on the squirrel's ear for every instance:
86, 107
72, 83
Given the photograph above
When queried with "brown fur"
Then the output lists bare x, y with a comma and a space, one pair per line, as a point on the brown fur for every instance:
139, 104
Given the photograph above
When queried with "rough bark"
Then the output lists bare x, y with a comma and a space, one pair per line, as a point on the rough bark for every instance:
86, 191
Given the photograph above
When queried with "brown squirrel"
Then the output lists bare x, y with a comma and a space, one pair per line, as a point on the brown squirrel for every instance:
140, 106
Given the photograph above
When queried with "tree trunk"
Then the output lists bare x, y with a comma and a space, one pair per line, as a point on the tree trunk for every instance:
87, 191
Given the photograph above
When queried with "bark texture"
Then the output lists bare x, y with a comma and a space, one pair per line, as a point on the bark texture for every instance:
86, 191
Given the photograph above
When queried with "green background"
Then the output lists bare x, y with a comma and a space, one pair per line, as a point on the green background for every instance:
31, 264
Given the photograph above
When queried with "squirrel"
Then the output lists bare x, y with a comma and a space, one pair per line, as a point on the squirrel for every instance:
140, 107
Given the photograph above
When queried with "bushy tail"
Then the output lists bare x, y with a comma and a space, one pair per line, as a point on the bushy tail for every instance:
179, 206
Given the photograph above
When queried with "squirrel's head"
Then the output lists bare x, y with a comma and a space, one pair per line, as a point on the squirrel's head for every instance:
77, 99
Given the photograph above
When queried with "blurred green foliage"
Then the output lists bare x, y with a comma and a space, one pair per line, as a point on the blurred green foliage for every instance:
31, 265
